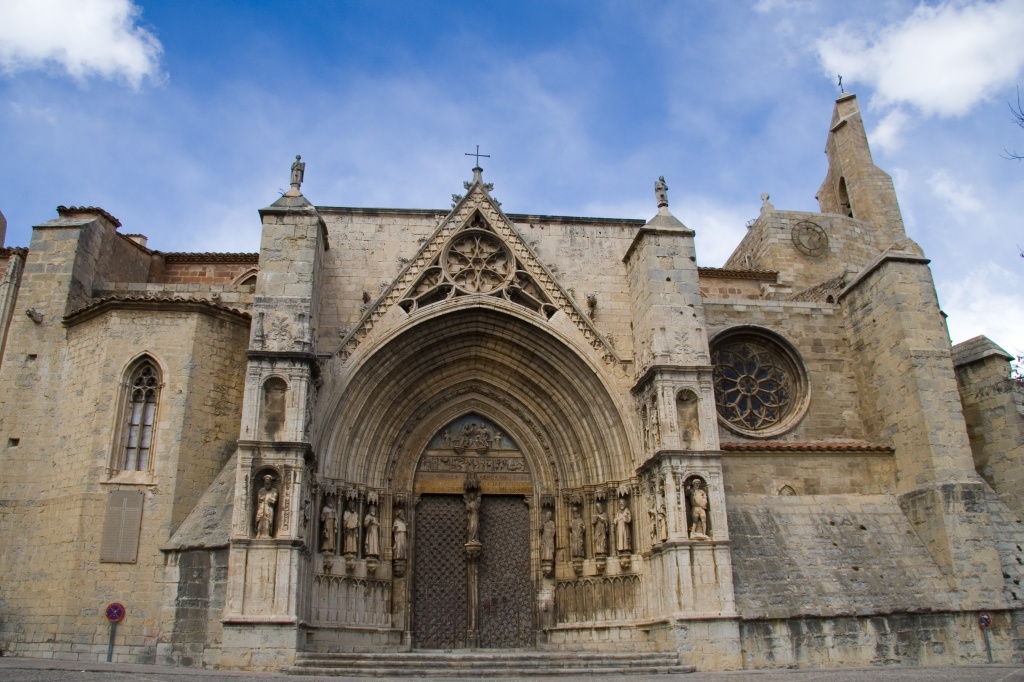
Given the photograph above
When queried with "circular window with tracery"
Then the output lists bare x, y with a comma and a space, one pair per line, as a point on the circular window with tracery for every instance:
760, 382
478, 263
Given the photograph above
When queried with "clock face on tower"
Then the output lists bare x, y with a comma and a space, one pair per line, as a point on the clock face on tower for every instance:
809, 238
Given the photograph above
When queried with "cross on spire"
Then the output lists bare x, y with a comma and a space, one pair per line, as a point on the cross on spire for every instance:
477, 154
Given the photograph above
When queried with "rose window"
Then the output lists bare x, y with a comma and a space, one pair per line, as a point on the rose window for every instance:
760, 386
478, 262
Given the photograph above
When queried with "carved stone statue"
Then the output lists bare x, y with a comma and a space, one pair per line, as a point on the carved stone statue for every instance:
577, 532
400, 533
298, 171
547, 538
623, 520
698, 510
350, 524
661, 191
600, 530
472, 500
371, 543
266, 503
328, 529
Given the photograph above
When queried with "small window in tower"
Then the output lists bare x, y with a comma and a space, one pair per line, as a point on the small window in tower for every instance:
844, 198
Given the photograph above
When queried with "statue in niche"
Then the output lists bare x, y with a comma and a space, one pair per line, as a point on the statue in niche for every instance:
371, 543
547, 537
662, 512
400, 533
655, 428
689, 420
698, 510
328, 528
623, 520
266, 503
577, 533
472, 501
600, 530
350, 524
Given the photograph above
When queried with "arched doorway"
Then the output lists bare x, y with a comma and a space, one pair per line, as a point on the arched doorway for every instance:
472, 577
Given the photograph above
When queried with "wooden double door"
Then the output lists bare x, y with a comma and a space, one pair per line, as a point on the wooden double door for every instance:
443, 608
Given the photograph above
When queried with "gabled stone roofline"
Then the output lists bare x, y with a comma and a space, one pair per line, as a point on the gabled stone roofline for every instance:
209, 257
978, 348
514, 217
70, 211
903, 251
154, 303
128, 238
727, 273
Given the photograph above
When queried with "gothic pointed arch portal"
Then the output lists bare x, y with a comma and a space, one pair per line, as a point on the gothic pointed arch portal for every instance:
472, 578
475, 385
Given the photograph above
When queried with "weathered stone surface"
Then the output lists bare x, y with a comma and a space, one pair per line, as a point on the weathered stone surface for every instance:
589, 443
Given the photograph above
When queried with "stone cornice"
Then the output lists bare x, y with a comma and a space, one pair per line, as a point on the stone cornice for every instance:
668, 369
787, 446
300, 356
160, 304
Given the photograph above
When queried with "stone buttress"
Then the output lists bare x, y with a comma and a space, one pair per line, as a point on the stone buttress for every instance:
681, 501
269, 559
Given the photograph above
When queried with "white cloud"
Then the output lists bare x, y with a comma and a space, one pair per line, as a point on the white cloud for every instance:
985, 301
959, 196
82, 37
942, 59
887, 136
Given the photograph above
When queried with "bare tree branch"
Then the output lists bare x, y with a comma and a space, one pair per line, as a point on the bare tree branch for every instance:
1018, 118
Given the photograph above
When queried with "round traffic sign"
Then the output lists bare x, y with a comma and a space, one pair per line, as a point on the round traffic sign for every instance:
115, 612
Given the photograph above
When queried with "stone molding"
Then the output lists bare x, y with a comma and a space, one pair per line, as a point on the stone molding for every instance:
153, 303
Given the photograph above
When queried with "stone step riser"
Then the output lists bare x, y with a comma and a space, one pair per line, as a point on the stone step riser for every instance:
413, 671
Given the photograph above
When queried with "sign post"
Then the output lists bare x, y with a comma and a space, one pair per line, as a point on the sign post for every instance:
985, 623
115, 614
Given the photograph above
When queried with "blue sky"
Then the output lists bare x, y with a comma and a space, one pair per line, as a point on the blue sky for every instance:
182, 118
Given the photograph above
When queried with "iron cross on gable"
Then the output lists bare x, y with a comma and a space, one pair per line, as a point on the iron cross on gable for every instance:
478, 155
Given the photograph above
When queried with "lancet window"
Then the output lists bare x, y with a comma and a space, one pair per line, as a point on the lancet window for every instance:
142, 395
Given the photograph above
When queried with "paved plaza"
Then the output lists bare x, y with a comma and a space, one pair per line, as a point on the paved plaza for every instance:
40, 670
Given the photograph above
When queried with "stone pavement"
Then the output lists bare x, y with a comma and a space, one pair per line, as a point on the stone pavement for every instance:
42, 670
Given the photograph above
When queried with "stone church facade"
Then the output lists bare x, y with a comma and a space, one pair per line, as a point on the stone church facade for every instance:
396, 430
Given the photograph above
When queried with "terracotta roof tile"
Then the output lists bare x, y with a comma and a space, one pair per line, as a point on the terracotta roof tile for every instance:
210, 257
68, 211
96, 306
723, 273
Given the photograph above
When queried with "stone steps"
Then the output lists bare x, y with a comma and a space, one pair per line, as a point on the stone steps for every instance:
476, 663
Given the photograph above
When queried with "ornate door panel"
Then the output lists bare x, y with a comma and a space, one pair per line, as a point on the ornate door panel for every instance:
505, 589
439, 578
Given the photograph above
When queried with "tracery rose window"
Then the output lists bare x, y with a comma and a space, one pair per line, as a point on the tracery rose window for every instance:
478, 262
760, 384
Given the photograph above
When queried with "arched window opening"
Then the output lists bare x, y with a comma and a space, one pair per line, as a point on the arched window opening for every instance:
143, 393
844, 198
